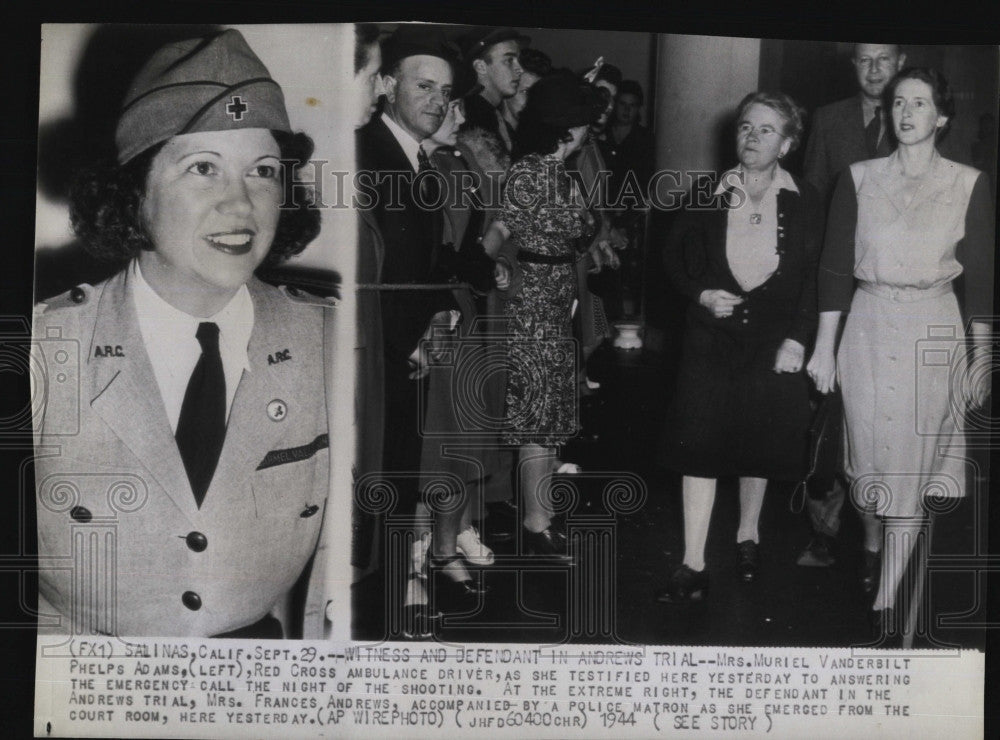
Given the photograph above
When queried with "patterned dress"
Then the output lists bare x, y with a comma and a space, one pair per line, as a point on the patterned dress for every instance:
541, 384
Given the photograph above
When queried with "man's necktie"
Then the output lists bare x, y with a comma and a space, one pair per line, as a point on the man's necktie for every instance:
430, 188
201, 428
430, 193
872, 131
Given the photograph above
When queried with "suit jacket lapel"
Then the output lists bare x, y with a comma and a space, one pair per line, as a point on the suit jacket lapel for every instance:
124, 393
387, 152
375, 242
856, 127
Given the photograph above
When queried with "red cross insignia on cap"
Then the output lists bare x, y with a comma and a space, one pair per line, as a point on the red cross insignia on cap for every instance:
237, 108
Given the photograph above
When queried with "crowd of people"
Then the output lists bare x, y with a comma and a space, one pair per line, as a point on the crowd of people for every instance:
487, 275
453, 274
876, 228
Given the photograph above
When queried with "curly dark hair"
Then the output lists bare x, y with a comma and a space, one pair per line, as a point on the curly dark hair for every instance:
941, 93
106, 206
534, 136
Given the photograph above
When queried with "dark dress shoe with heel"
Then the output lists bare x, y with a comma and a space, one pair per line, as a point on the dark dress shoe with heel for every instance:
685, 585
551, 542
450, 595
747, 560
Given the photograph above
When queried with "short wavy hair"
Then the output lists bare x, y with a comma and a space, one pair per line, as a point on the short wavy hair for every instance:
793, 114
941, 93
106, 206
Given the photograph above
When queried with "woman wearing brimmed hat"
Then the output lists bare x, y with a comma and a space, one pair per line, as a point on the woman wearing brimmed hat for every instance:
542, 214
190, 482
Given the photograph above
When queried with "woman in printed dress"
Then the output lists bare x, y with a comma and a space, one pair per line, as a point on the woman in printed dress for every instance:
542, 215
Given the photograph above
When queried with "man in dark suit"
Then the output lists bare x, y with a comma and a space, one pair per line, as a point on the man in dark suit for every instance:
854, 129
843, 133
418, 66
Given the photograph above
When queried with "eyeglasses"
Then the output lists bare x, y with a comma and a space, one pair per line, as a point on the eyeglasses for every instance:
745, 129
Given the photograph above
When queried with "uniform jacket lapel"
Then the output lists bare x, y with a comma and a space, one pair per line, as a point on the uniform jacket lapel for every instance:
123, 392
264, 384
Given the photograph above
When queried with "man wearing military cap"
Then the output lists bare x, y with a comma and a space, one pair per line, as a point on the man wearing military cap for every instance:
185, 468
493, 54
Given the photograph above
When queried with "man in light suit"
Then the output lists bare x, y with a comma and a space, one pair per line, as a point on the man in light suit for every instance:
182, 459
845, 132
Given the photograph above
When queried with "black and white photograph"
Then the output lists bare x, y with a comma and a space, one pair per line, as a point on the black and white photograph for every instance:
540, 379
675, 427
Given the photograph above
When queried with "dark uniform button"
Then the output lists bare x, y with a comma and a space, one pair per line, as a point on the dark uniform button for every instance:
196, 541
309, 511
81, 514
77, 295
191, 600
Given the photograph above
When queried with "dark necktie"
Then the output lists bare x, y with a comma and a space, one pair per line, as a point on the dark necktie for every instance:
872, 131
201, 428
430, 192
430, 189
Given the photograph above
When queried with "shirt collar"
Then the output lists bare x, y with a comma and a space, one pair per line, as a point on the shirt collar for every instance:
731, 178
410, 145
235, 320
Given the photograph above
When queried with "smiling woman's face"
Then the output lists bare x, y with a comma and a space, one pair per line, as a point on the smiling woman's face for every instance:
211, 209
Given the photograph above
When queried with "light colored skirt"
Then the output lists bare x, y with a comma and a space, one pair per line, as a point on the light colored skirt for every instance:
900, 365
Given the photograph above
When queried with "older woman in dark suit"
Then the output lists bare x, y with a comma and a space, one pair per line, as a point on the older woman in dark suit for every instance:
748, 263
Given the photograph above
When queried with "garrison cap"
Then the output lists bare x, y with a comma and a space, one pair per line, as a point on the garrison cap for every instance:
208, 84
478, 41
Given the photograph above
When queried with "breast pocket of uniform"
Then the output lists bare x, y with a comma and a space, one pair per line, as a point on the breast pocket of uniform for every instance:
290, 483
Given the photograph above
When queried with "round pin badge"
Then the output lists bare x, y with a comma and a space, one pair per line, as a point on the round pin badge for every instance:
277, 410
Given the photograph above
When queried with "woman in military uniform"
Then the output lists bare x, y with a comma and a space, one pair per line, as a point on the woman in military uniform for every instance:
182, 435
